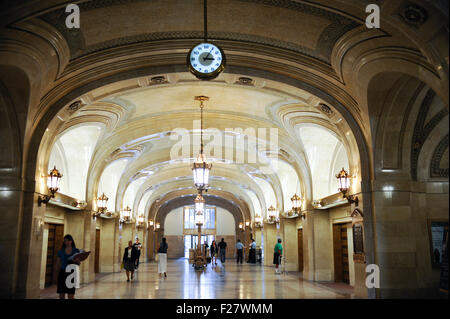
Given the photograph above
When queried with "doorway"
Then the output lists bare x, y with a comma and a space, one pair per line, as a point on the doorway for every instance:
55, 241
340, 249
300, 250
97, 251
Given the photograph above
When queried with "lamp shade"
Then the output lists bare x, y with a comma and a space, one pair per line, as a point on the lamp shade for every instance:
201, 169
150, 222
102, 202
343, 181
53, 179
157, 226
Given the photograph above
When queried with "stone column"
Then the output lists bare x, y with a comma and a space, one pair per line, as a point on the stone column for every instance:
257, 237
150, 244
81, 226
109, 246
290, 243
270, 239
318, 246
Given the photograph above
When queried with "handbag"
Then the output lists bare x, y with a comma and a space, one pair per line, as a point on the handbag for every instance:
157, 257
122, 265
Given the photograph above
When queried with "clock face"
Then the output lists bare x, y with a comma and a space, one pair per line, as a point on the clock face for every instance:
206, 60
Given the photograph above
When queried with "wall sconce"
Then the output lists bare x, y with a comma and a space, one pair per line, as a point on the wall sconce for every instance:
258, 221
241, 227
150, 224
157, 226
248, 224
273, 215
344, 186
126, 215
101, 205
140, 223
53, 179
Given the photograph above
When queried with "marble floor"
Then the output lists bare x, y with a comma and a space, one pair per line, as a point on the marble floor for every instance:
227, 281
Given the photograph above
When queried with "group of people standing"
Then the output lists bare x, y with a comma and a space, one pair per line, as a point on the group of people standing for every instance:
220, 249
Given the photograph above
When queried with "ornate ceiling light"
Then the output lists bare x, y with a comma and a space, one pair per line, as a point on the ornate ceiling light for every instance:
344, 186
199, 209
201, 168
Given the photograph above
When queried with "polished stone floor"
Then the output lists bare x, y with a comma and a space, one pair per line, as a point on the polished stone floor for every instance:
227, 281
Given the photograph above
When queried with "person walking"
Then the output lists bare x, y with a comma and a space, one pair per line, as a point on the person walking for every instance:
214, 251
240, 251
129, 260
137, 246
277, 254
222, 246
252, 253
162, 257
68, 249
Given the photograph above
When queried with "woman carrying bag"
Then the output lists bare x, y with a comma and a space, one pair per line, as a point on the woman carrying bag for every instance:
162, 257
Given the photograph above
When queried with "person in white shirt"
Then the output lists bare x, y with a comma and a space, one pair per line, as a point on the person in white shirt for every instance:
240, 251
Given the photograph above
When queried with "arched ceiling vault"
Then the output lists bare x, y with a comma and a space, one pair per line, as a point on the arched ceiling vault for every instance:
176, 202
211, 198
141, 124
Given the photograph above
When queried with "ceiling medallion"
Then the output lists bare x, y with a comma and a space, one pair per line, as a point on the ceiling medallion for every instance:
75, 106
325, 109
245, 81
414, 15
158, 80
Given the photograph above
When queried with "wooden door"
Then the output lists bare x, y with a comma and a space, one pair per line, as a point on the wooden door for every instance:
55, 240
340, 250
300, 250
97, 251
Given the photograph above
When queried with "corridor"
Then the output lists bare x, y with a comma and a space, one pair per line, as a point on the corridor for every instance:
230, 281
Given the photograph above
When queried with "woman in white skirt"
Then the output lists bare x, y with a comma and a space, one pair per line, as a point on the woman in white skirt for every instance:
162, 258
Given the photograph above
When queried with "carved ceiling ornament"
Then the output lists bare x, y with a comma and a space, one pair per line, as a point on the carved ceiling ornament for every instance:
338, 26
435, 167
414, 15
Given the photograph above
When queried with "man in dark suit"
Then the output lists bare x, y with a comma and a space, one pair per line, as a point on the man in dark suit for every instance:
137, 246
222, 247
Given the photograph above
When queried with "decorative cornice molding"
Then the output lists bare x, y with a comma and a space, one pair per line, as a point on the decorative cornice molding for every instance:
339, 25
422, 130
435, 167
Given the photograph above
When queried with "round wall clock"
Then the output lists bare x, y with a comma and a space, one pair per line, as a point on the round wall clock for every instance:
206, 61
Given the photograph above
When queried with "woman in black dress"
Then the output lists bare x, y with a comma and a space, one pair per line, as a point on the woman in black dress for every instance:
129, 260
